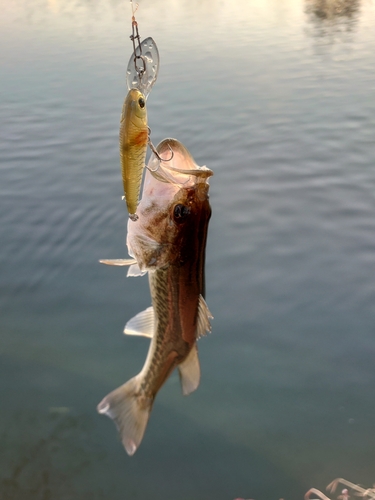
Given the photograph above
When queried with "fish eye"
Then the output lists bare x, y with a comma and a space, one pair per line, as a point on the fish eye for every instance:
141, 102
180, 212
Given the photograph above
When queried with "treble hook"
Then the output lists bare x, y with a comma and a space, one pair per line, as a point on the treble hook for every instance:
153, 149
133, 37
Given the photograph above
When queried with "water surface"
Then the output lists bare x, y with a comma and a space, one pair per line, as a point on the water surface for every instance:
278, 98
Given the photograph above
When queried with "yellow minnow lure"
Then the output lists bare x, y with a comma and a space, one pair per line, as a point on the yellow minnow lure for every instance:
134, 137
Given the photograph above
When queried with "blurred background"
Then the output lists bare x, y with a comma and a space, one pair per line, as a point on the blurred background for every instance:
278, 98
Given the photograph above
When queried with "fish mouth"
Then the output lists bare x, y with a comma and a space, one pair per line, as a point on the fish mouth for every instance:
181, 169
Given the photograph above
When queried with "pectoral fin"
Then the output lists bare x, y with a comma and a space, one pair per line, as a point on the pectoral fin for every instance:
133, 270
190, 372
118, 262
142, 324
204, 317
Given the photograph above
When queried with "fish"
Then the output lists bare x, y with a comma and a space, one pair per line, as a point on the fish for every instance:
133, 139
168, 242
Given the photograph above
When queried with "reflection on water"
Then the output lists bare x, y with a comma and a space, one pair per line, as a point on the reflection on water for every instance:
330, 9
45, 455
332, 16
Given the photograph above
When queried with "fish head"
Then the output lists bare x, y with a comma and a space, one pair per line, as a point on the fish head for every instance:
174, 211
135, 106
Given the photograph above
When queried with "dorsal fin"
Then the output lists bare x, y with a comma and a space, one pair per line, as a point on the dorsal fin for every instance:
142, 324
204, 316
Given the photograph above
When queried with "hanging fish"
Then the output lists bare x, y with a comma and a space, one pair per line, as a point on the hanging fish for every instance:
168, 241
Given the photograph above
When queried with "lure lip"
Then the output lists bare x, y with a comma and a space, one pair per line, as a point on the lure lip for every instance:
151, 61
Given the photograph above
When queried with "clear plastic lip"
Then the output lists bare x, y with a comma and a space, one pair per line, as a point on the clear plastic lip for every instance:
148, 61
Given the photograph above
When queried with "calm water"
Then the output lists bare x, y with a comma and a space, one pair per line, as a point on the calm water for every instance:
278, 98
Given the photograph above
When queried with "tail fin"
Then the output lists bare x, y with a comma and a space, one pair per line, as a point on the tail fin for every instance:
130, 410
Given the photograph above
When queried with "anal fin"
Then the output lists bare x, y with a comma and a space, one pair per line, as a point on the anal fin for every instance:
190, 372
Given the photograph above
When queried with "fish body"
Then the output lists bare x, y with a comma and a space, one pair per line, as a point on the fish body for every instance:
168, 241
133, 146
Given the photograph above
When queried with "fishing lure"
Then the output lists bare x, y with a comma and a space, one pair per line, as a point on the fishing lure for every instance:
134, 135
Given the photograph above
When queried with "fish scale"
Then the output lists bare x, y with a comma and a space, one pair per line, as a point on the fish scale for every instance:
160, 286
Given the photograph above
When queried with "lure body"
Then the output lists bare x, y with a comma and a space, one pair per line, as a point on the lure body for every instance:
133, 146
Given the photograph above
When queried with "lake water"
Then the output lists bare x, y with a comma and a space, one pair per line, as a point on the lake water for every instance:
278, 98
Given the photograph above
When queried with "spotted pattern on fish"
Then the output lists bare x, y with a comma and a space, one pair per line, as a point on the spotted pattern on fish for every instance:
167, 332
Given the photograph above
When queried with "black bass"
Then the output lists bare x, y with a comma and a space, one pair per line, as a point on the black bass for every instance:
168, 241
133, 147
